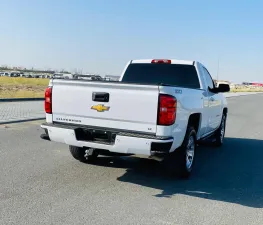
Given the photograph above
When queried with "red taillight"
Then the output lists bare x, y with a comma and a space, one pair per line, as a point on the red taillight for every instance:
159, 61
48, 100
167, 110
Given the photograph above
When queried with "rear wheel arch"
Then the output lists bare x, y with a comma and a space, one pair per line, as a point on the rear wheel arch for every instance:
194, 121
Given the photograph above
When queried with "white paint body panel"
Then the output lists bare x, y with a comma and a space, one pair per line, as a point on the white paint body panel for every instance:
132, 108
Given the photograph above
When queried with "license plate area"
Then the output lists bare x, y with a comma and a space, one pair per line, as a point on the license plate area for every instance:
95, 135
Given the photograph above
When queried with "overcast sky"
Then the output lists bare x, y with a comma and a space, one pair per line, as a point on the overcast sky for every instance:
101, 36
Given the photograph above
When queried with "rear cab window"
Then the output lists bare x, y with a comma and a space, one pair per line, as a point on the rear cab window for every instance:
171, 74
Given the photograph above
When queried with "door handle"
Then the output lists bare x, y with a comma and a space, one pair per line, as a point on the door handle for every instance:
100, 97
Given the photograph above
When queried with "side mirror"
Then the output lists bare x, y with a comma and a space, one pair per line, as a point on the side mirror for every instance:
220, 89
223, 88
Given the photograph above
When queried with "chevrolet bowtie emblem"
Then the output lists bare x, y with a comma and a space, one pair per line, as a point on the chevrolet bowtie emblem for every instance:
100, 108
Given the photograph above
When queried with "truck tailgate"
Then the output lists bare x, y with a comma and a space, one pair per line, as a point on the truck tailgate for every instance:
130, 107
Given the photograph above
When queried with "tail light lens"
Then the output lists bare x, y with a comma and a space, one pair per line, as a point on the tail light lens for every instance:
167, 110
48, 100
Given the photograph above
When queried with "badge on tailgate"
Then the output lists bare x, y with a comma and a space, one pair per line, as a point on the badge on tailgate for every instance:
100, 108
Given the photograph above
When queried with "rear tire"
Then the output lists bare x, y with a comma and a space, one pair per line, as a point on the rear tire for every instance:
180, 162
83, 154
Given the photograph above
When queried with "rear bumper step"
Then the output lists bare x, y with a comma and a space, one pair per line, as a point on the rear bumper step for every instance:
116, 131
113, 141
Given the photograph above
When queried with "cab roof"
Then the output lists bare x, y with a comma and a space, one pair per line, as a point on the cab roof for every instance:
170, 61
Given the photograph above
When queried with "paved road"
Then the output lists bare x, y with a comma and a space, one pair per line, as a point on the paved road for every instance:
42, 184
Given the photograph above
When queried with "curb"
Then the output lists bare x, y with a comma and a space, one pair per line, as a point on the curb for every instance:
20, 99
21, 121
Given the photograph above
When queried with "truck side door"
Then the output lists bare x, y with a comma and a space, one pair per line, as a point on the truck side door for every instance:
214, 102
206, 111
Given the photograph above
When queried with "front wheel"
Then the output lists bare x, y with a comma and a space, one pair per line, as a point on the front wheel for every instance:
83, 154
220, 132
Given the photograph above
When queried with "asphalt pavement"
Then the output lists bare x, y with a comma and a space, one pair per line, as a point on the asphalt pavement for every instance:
40, 183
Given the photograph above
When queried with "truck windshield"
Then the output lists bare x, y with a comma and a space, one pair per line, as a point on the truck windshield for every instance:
172, 74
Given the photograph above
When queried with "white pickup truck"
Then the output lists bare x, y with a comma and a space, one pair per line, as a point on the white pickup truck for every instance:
160, 109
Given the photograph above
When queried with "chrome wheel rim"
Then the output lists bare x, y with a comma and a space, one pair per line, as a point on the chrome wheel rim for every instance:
222, 131
190, 151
